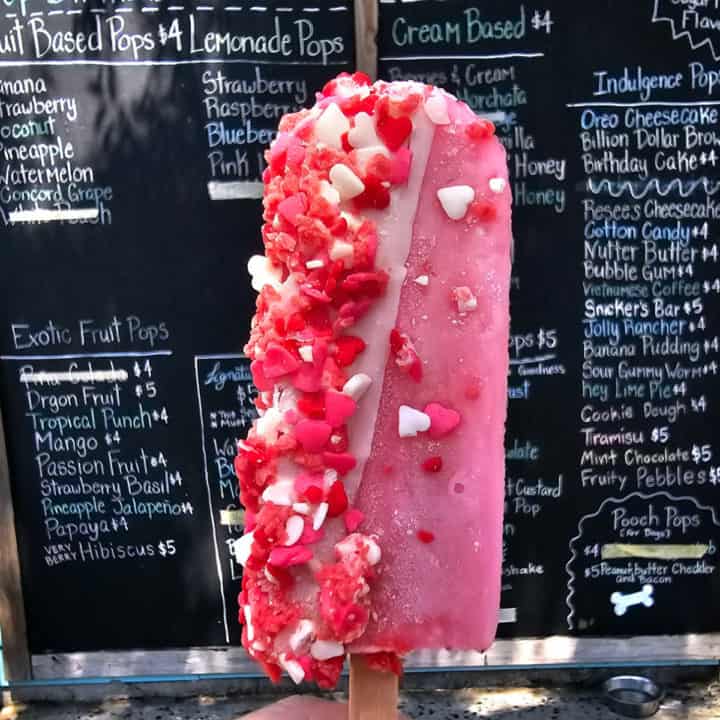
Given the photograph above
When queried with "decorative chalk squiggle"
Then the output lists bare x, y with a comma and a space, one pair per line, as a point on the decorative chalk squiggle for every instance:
616, 189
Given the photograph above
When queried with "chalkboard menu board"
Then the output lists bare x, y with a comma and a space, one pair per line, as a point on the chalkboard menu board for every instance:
609, 112
131, 136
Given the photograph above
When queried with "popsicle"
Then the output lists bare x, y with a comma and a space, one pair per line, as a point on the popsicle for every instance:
373, 478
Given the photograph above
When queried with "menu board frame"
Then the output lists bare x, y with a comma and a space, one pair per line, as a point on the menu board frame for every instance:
558, 651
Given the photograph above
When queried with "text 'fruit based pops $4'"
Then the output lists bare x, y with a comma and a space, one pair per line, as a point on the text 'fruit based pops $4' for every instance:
373, 478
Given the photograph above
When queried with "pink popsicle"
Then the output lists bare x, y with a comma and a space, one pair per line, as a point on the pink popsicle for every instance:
373, 480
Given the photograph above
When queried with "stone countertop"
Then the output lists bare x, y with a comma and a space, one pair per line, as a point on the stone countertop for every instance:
682, 702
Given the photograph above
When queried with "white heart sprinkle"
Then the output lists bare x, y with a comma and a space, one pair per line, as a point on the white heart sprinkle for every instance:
436, 109
263, 272
412, 421
363, 133
242, 548
423, 280
294, 528
302, 633
320, 515
357, 385
497, 184
326, 649
305, 352
455, 200
345, 181
331, 125
329, 192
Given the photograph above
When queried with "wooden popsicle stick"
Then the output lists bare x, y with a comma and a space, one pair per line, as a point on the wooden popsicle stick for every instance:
373, 694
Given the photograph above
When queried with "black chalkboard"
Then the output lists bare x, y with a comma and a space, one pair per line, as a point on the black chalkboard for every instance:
609, 112
131, 137
125, 301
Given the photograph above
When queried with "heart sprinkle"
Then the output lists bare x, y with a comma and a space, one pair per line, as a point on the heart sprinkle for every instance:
455, 200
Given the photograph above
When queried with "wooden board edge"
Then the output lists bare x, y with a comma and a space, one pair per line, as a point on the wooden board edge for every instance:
15, 652
556, 650
366, 28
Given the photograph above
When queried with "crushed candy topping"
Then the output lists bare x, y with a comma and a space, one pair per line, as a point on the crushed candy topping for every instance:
308, 567
464, 299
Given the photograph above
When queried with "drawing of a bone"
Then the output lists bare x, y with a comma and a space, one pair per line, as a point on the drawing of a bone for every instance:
622, 601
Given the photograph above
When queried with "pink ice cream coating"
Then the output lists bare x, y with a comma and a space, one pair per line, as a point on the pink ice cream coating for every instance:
401, 550
445, 593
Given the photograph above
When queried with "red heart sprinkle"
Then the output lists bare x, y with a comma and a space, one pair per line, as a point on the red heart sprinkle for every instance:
348, 348
393, 131
337, 499
442, 420
338, 407
313, 434
279, 361
342, 462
